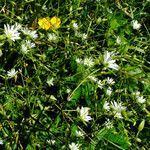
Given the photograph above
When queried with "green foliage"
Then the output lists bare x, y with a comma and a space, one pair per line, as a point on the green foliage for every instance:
118, 139
85, 83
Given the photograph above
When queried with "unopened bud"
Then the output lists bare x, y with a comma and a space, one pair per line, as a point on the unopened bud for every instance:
141, 126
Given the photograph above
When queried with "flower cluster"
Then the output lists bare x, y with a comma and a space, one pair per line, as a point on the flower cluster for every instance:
101, 83
87, 62
12, 32
17, 32
117, 108
47, 23
74, 79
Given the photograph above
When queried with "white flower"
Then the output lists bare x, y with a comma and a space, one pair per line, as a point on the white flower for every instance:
84, 112
11, 32
24, 48
52, 37
30, 44
108, 124
79, 61
117, 107
109, 91
68, 90
30, 33
1, 142
12, 73
52, 142
141, 99
74, 146
79, 134
75, 26
50, 82
106, 106
135, 24
109, 62
26, 45
84, 36
88, 62
110, 81
93, 78
137, 93
100, 84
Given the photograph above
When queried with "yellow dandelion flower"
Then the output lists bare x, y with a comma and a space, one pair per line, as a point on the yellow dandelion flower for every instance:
55, 22
44, 23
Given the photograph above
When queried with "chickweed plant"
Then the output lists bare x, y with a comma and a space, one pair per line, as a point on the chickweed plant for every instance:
74, 74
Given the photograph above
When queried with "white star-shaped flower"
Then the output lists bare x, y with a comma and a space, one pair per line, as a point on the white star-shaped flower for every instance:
11, 32
136, 25
74, 146
84, 114
109, 61
12, 73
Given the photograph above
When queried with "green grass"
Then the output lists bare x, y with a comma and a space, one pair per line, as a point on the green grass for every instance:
56, 78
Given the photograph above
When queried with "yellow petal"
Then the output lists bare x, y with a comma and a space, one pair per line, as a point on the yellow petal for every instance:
55, 22
44, 23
